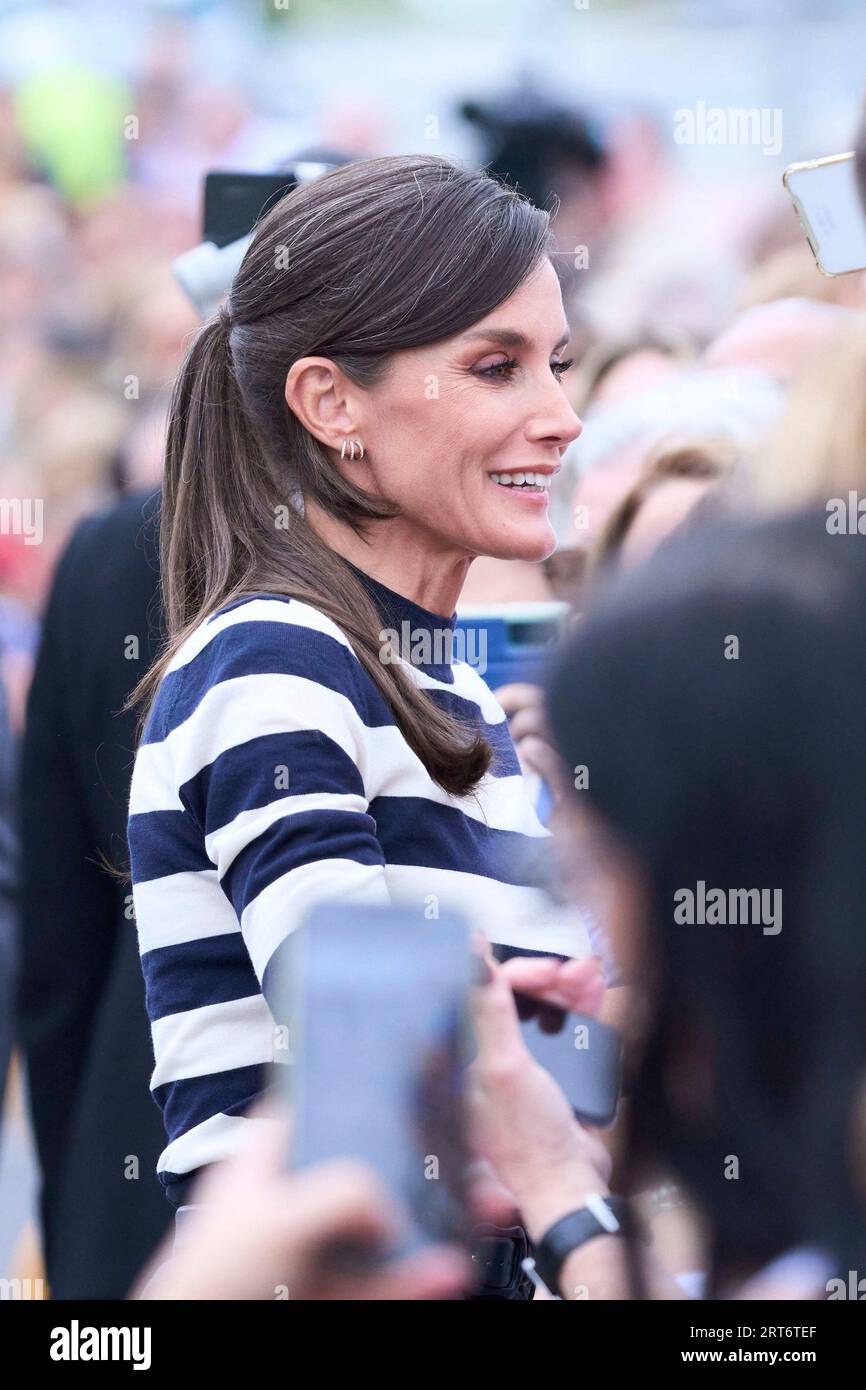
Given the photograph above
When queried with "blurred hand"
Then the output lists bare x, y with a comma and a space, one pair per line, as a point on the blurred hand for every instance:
524, 705
577, 986
519, 1119
263, 1233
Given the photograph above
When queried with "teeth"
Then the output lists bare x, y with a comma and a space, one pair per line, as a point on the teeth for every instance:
519, 479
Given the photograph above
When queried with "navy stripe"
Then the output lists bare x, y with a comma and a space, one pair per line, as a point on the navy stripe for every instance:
463, 708
248, 598
180, 1187
193, 1100
191, 974
260, 647
309, 837
164, 842
421, 833
265, 769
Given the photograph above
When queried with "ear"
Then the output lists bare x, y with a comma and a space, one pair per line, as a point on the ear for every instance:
324, 400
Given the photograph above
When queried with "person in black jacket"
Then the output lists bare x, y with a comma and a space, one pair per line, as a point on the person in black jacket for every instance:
8, 884
82, 1022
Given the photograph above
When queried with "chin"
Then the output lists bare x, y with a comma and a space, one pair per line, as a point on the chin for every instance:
533, 546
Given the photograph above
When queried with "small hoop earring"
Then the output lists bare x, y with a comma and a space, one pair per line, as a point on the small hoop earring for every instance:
351, 443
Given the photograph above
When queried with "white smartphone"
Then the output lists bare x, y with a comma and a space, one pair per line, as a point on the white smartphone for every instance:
827, 201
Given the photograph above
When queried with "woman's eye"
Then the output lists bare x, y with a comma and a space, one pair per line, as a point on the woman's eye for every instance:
499, 370
560, 368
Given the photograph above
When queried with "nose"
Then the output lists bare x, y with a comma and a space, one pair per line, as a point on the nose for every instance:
553, 421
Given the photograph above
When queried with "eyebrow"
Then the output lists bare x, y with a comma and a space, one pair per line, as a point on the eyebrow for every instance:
510, 337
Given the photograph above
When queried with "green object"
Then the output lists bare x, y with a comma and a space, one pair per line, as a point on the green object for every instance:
73, 122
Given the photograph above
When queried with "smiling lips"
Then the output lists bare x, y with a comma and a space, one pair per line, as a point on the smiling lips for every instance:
523, 482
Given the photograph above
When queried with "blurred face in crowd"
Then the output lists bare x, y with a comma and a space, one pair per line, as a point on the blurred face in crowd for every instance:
664, 508
466, 434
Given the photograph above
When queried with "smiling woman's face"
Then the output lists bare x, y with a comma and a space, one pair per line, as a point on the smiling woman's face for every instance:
466, 435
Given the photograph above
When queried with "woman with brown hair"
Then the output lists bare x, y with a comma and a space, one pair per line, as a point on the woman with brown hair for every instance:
377, 404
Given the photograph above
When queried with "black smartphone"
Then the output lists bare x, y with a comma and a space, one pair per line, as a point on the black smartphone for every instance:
234, 202
583, 1056
373, 1007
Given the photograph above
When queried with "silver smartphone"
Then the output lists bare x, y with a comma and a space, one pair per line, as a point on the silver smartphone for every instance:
374, 1007
827, 201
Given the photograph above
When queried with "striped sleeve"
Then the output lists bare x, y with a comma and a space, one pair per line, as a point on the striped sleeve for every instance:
267, 728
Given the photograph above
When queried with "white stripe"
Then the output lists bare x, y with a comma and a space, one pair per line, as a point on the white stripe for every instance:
153, 787
232, 712
217, 1137
188, 906
216, 1037
508, 915
467, 684
278, 909
224, 845
271, 610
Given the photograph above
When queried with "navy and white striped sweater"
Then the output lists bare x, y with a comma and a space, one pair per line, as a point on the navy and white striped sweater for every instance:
271, 775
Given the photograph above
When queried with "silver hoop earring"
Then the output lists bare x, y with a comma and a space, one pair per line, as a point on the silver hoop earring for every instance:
352, 443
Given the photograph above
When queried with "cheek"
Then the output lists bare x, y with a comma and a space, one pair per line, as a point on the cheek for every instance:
438, 439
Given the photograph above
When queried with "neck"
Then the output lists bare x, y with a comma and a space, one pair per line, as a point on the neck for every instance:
397, 557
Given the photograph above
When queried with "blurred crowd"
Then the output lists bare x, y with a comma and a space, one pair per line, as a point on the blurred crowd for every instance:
718, 377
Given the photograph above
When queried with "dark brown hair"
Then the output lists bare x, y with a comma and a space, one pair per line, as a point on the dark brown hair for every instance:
371, 258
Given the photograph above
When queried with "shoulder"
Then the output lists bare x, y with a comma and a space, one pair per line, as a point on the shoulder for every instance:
247, 646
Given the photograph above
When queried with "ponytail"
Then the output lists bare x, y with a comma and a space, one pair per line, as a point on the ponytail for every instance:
219, 540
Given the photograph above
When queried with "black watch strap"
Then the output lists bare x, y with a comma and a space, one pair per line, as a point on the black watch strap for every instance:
601, 1216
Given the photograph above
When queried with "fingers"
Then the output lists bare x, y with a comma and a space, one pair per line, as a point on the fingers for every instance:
575, 985
494, 1015
532, 974
527, 722
519, 695
337, 1200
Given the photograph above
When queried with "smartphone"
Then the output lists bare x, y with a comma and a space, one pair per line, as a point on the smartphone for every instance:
827, 201
234, 202
583, 1056
373, 1007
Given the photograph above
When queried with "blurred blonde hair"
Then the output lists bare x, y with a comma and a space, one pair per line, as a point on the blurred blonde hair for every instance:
818, 448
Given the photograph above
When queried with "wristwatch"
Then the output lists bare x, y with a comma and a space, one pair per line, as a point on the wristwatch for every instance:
599, 1216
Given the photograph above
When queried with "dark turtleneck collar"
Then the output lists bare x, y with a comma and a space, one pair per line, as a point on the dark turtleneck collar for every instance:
423, 638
